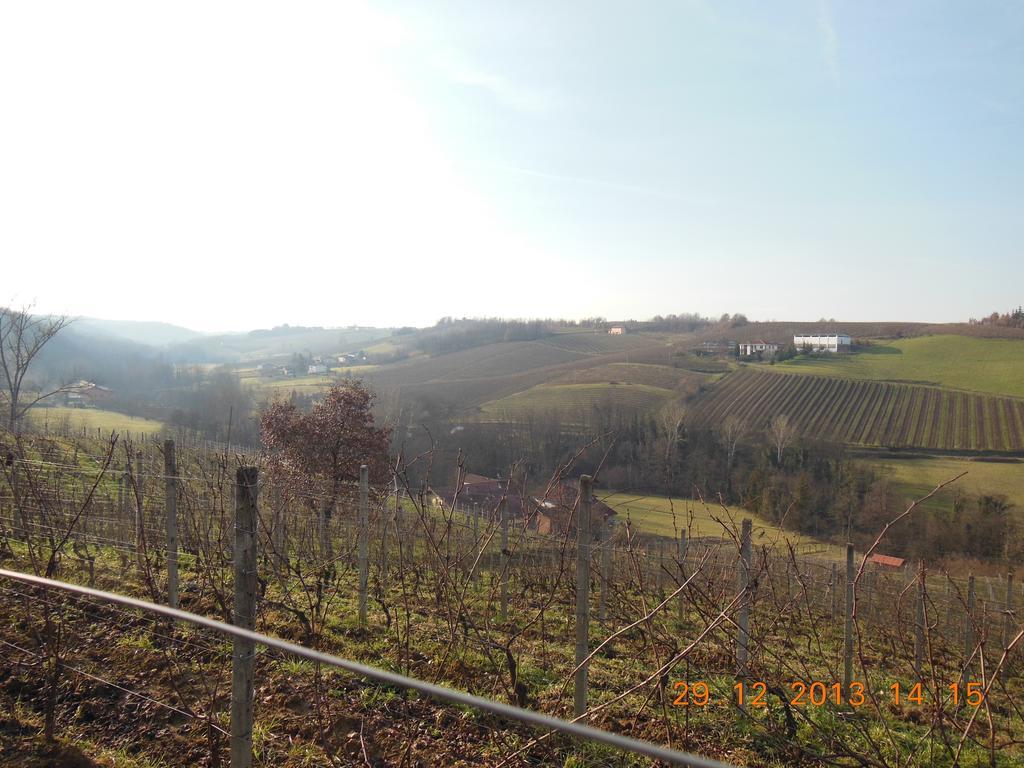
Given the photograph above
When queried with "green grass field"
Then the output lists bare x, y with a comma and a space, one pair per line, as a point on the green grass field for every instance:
654, 515
93, 418
959, 362
914, 478
271, 385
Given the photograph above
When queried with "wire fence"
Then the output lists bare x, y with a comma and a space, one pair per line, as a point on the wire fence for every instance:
440, 693
481, 597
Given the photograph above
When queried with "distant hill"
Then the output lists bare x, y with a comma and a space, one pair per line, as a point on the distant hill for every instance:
939, 391
638, 371
947, 388
783, 331
267, 344
969, 363
153, 333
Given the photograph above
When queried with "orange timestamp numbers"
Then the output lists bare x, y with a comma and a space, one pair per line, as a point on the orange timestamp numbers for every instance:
818, 694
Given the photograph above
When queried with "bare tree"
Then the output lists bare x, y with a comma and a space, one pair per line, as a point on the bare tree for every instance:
22, 337
732, 430
782, 431
673, 417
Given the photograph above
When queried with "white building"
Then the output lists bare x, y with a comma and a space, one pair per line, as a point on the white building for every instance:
317, 368
616, 330
748, 348
822, 342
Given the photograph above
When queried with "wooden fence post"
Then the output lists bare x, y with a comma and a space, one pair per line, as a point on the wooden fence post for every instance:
682, 574
743, 619
1007, 621
476, 542
582, 595
968, 630
18, 517
606, 571
384, 524
505, 560
363, 536
398, 510
870, 577
140, 521
659, 582
326, 535
919, 620
278, 535
949, 604
244, 652
171, 513
848, 625
122, 507
833, 579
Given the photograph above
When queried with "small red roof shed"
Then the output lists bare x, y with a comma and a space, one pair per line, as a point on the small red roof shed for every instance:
887, 561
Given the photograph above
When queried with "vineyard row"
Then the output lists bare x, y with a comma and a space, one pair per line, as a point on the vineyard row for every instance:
868, 413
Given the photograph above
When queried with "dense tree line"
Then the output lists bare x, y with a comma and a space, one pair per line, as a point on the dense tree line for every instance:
812, 487
807, 486
452, 335
214, 404
1014, 319
981, 526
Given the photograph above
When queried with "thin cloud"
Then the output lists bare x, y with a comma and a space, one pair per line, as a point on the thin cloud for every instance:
605, 184
508, 92
829, 39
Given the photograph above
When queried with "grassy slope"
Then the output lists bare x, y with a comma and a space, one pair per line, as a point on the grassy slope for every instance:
474, 377
654, 515
94, 418
663, 376
570, 399
651, 365
914, 478
958, 362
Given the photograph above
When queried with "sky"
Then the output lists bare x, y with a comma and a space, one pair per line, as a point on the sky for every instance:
235, 165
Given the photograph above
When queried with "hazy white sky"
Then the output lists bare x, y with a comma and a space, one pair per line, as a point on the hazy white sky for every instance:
235, 165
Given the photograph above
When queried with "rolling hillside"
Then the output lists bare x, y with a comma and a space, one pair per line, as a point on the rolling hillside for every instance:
260, 345
783, 331
663, 376
574, 401
915, 477
92, 419
940, 392
995, 366
666, 517
477, 379
868, 413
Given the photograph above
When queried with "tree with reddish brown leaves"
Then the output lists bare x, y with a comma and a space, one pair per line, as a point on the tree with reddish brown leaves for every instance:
321, 450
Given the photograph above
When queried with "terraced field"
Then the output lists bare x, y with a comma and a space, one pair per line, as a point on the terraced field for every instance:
576, 400
869, 413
